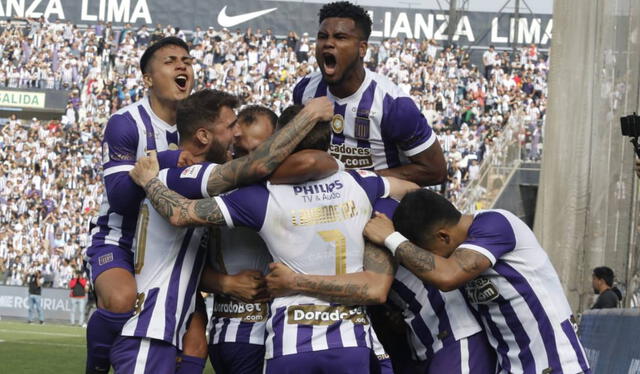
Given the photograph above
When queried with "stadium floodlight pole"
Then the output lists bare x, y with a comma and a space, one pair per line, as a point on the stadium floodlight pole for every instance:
514, 42
453, 20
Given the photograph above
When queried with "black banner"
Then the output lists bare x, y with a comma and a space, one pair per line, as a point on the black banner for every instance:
472, 28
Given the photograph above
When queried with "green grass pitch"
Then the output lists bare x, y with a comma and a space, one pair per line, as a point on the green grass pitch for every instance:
41, 349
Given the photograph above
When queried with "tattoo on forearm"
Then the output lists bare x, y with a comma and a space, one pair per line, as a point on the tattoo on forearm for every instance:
263, 160
378, 260
470, 261
180, 210
415, 258
335, 291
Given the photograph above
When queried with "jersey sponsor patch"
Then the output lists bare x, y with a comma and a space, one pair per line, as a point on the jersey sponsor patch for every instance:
352, 157
481, 291
325, 314
225, 307
191, 172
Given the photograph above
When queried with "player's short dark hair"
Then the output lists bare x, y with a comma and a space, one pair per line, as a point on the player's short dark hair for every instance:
605, 273
201, 107
248, 115
318, 138
421, 212
153, 48
344, 9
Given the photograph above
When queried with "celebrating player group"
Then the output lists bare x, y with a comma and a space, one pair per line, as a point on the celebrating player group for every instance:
296, 224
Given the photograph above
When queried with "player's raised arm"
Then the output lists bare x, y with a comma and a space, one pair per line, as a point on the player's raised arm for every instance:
368, 287
266, 158
179, 210
445, 273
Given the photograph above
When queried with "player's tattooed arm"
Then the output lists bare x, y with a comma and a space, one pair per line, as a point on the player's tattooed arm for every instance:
181, 211
266, 158
445, 273
368, 287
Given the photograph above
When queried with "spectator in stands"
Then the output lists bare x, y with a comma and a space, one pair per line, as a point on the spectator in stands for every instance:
34, 280
602, 281
79, 288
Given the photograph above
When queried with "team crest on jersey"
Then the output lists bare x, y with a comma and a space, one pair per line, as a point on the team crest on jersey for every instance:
105, 153
172, 146
361, 129
191, 172
337, 123
481, 291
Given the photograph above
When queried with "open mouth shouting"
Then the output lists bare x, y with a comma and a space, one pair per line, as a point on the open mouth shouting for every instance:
181, 81
329, 64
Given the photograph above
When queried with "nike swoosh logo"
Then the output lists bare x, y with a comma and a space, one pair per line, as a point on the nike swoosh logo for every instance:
229, 21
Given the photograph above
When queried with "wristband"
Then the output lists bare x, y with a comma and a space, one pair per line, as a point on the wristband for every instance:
393, 241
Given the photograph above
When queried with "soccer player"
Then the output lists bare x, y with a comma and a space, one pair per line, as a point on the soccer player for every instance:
507, 277
375, 124
238, 258
148, 124
169, 260
313, 227
445, 335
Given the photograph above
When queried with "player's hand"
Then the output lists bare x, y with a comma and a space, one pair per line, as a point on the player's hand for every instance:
321, 108
378, 228
146, 169
186, 159
280, 280
248, 286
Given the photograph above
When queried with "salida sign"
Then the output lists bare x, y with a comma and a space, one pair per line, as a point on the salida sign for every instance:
480, 28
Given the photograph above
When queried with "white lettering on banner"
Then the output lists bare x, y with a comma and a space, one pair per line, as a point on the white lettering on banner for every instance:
422, 28
634, 366
529, 31
118, 11
22, 8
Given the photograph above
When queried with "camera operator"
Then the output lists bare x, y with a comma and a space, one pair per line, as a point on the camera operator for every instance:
34, 280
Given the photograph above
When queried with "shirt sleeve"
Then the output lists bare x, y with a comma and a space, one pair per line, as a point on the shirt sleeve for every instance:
373, 185
191, 181
490, 234
405, 125
246, 206
298, 90
168, 159
119, 149
387, 206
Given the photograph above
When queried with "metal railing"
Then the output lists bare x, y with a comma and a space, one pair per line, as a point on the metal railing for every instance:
503, 160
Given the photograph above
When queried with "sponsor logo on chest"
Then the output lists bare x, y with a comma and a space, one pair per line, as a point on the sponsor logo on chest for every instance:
481, 291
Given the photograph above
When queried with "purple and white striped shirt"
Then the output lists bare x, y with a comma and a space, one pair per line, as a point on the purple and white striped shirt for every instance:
520, 299
314, 228
377, 127
168, 262
436, 318
128, 134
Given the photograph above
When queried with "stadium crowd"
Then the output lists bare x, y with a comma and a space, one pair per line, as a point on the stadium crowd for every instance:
50, 174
